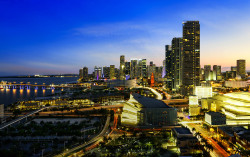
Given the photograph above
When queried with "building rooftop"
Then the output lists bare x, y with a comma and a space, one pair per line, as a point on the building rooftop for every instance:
215, 114
182, 131
150, 102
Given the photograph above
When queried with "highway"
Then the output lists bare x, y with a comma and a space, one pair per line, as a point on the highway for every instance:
93, 140
21, 118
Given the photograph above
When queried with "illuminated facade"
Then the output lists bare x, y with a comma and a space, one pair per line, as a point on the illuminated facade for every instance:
112, 72
236, 107
106, 72
217, 70
127, 69
203, 92
236, 84
241, 68
122, 67
191, 56
98, 73
144, 111
194, 108
168, 67
133, 68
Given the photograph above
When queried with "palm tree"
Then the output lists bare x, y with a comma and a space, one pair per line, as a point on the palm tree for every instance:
209, 147
197, 134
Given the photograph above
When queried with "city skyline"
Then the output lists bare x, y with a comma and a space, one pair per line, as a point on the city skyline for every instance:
47, 38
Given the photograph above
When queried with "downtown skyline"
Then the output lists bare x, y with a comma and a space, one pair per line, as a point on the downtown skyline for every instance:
45, 37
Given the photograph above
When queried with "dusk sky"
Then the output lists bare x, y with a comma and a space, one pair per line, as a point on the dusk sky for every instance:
61, 36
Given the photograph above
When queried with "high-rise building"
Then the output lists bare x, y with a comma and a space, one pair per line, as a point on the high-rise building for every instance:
151, 69
127, 69
233, 68
85, 73
144, 68
98, 72
133, 69
81, 73
241, 68
122, 67
139, 69
207, 70
191, 56
106, 72
217, 71
168, 66
176, 62
112, 72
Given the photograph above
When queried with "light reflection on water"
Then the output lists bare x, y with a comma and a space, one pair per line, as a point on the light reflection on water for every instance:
9, 96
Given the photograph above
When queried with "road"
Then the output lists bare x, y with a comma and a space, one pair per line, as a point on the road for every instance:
83, 109
21, 118
217, 151
93, 140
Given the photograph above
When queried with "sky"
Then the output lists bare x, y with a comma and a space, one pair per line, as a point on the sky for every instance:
62, 36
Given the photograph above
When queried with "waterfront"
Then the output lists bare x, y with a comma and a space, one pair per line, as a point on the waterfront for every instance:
9, 96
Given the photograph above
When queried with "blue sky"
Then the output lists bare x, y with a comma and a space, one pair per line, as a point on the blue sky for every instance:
61, 36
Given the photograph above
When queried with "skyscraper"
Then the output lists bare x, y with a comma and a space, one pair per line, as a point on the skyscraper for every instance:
85, 73
207, 69
112, 72
127, 69
106, 71
122, 67
191, 56
98, 72
81, 73
241, 68
144, 68
168, 66
217, 71
133, 68
176, 62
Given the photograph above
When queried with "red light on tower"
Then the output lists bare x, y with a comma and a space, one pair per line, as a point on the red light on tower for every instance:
152, 81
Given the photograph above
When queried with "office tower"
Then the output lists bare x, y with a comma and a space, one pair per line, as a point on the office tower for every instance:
217, 71
191, 56
106, 72
151, 69
122, 67
81, 73
133, 68
176, 63
168, 67
98, 72
164, 69
117, 73
230, 75
233, 68
85, 74
139, 69
144, 68
207, 69
202, 77
112, 72
241, 68
127, 69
